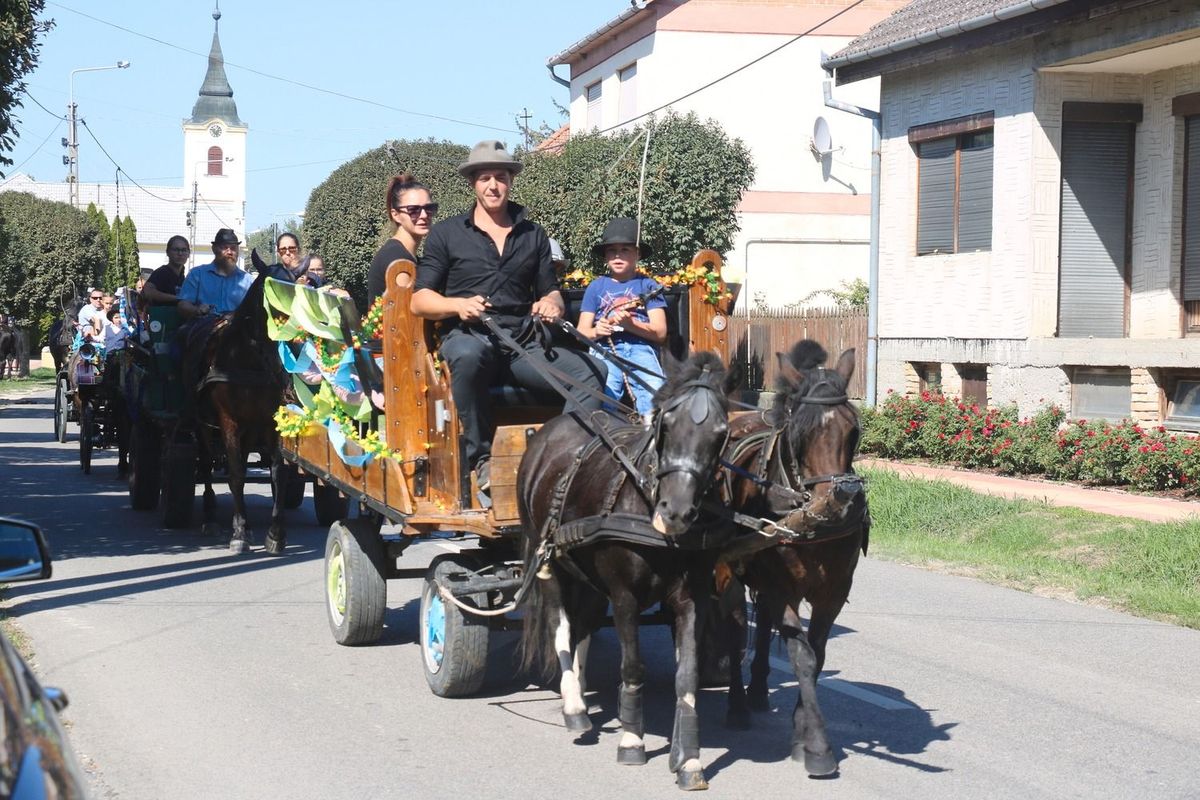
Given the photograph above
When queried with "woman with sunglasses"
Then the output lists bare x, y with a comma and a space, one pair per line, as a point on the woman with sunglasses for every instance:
412, 210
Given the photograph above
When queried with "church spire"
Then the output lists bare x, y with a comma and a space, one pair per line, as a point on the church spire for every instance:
216, 95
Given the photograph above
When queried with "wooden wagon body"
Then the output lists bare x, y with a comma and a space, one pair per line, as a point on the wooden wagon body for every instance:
421, 484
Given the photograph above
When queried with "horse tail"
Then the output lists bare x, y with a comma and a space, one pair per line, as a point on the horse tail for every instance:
538, 655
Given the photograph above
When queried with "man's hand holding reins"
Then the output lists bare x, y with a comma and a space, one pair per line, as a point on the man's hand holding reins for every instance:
470, 309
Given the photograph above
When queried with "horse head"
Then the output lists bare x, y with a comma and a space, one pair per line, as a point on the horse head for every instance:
691, 422
820, 432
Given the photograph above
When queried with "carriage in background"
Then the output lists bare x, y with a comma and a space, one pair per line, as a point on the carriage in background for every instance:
87, 392
405, 465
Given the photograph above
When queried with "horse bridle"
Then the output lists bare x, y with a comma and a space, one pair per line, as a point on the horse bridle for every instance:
701, 405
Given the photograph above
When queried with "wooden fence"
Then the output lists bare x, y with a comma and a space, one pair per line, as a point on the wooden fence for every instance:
767, 332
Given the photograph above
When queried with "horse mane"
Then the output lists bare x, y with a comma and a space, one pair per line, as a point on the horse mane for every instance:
800, 418
701, 366
250, 312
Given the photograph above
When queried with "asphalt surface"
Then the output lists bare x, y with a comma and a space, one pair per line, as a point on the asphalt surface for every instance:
196, 674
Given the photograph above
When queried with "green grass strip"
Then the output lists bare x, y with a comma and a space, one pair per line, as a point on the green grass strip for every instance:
42, 376
1146, 568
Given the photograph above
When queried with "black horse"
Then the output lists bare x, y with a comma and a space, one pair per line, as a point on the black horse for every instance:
62, 330
586, 536
8, 353
804, 446
239, 388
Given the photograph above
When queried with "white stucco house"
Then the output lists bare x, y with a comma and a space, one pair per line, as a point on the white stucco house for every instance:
1040, 202
213, 192
805, 221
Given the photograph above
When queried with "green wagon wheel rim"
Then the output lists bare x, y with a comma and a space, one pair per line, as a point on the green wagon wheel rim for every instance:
335, 584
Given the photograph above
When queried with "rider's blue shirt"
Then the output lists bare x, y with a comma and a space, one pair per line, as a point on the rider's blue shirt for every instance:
205, 286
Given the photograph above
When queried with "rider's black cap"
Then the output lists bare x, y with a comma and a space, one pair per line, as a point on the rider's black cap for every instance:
226, 236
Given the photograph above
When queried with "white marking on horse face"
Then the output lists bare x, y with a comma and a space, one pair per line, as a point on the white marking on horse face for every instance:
828, 416
659, 524
631, 740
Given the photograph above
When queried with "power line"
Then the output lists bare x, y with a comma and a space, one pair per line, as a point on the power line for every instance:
43, 108
17, 168
121, 169
281, 79
727, 75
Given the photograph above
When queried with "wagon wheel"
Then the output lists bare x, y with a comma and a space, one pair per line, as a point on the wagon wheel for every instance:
330, 504
178, 484
145, 467
355, 587
87, 436
454, 644
293, 492
61, 406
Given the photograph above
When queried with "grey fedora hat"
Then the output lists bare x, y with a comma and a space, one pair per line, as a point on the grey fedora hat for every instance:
622, 230
489, 154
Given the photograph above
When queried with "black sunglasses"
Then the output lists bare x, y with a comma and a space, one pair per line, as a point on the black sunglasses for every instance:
415, 211
97, 297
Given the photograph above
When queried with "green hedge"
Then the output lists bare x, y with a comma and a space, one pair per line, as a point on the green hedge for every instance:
947, 430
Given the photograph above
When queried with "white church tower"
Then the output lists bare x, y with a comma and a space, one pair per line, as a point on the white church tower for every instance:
214, 157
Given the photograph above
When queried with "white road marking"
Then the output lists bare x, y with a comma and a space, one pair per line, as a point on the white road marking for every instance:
847, 688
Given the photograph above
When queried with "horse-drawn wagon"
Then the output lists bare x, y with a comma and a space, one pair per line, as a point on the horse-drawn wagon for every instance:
404, 465
86, 391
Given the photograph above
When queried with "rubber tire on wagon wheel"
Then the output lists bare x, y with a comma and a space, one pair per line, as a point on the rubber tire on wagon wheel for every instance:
61, 408
355, 586
87, 436
329, 503
145, 468
293, 492
178, 485
454, 644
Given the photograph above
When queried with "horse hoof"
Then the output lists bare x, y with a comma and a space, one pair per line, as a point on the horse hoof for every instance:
691, 781
737, 719
816, 765
275, 546
210, 529
631, 756
238, 546
578, 723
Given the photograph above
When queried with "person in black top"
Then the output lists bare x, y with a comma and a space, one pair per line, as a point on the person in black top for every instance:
162, 287
411, 209
494, 260
287, 250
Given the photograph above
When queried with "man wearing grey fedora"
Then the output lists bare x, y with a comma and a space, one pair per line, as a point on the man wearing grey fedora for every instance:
493, 260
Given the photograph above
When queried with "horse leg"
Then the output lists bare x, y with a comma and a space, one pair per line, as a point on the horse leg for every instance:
809, 742
240, 541
632, 747
760, 667
210, 527
684, 760
733, 627
569, 687
122, 421
280, 477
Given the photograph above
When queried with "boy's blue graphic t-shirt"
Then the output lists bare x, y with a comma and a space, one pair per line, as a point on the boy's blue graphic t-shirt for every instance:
605, 295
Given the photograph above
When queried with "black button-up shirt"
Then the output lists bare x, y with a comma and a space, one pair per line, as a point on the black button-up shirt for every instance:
461, 260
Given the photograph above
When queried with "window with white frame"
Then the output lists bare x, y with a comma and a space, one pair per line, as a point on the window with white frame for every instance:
593, 105
627, 78
1100, 393
954, 184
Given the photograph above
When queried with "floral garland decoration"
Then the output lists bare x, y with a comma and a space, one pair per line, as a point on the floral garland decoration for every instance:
687, 276
292, 424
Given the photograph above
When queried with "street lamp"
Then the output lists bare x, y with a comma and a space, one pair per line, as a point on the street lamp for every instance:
73, 141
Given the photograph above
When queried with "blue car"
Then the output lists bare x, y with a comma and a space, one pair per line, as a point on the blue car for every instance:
36, 760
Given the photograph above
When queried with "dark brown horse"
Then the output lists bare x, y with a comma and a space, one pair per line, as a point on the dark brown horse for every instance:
588, 536
804, 445
240, 389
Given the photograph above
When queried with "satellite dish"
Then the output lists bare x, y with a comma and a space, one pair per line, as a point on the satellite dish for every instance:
822, 141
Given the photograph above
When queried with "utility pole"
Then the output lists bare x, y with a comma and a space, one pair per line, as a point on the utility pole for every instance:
192, 220
72, 157
525, 127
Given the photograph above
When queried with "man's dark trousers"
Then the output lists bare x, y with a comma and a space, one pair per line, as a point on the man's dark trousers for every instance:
478, 361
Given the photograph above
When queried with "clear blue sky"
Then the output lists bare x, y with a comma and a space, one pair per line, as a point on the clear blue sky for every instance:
470, 60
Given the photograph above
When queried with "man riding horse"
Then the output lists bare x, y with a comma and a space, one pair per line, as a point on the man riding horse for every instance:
208, 292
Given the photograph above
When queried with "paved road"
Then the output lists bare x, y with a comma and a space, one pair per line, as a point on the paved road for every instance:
194, 674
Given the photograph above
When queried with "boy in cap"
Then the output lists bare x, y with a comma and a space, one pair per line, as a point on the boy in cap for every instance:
615, 313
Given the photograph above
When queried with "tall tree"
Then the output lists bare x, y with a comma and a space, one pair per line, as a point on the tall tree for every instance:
20, 34
127, 275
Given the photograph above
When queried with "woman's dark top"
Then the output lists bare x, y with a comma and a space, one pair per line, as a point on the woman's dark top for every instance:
377, 277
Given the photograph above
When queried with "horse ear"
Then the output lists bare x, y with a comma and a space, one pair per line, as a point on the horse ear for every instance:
788, 372
845, 364
260, 266
734, 375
